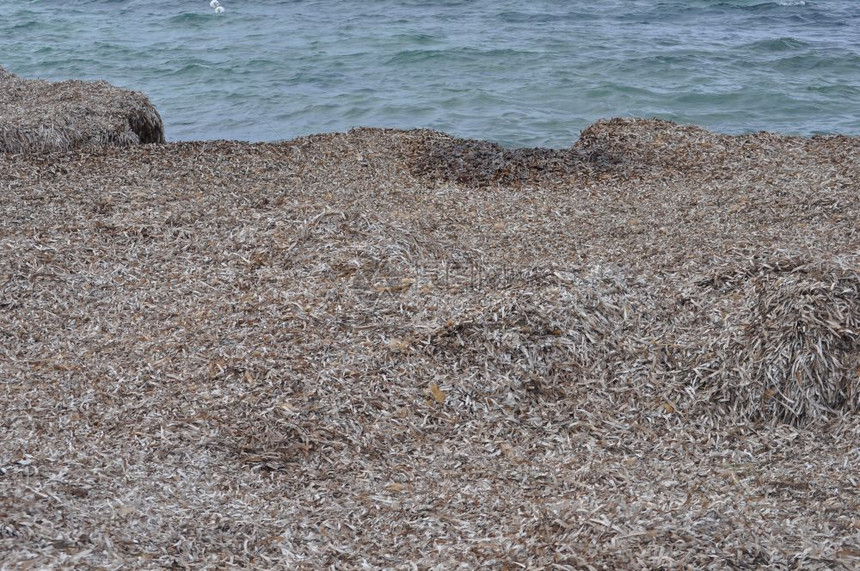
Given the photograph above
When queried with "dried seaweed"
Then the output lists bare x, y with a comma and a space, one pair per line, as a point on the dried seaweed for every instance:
40, 116
334, 352
792, 349
478, 164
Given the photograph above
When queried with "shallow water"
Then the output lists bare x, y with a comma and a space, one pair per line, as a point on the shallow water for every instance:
522, 73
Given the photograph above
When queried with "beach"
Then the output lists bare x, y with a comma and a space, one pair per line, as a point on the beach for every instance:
391, 348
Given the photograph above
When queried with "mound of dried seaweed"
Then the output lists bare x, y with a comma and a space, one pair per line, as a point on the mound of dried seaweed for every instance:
789, 350
40, 116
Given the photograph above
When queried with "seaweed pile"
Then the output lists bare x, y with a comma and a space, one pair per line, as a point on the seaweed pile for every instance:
38, 116
478, 164
382, 348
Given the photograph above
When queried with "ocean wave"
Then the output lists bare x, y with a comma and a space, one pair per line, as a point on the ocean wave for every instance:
757, 5
785, 44
545, 17
192, 69
191, 18
461, 54
841, 90
780, 4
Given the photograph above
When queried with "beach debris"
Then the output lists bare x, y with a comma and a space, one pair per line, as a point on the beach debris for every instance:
356, 349
480, 164
42, 116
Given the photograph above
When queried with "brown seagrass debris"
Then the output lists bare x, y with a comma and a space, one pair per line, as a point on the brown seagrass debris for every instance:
306, 355
790, 346
38, 116
620, 146
784, 345
477, 164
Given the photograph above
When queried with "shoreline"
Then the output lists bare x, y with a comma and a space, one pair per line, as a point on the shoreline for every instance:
42, 116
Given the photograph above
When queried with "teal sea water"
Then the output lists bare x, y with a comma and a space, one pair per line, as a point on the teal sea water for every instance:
518, 72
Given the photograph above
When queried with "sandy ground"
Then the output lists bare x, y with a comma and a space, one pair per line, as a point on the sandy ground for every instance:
390, 349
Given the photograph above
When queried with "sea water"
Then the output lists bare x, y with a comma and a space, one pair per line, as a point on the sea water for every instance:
518, 72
